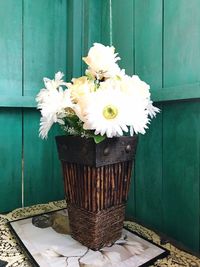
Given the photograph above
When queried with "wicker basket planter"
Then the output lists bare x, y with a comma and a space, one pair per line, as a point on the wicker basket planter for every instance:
96, 179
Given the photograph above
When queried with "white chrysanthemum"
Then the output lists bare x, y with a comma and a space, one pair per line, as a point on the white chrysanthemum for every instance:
152, 110
56, 82
106, 113
53, 104
102, 61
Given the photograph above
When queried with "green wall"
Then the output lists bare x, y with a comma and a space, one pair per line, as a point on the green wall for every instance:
158, 40
33, 44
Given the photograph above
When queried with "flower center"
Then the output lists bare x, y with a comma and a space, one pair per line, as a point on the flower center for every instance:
110, 112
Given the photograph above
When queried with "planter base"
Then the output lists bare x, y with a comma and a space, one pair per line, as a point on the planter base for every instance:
96, 230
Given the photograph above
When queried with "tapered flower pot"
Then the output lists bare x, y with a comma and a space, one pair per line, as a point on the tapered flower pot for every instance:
96, 180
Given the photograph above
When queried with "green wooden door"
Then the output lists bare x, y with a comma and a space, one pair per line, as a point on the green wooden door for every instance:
33, 44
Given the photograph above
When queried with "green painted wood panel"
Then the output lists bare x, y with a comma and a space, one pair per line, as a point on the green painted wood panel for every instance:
181, 139
177, 93
10, 47
17, 101
91, 25
148, 42
42, 174
10, 159
181, 42
45, 48
105, 22
148, 65
123, 11
45, 41
75, 38
10, 119
181, 124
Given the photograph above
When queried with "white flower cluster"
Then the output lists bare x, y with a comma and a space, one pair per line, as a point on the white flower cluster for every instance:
104, 102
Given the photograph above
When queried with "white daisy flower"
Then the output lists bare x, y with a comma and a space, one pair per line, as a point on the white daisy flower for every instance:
106, 113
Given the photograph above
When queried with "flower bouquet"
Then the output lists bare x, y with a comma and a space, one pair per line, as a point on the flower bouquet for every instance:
104, 103
101, 114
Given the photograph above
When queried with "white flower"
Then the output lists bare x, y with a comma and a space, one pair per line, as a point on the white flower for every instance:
106, 113
54, 84
53, 104
152, 110
135, 87
139, 102
102, 61
112, 83
138, 115
80, 89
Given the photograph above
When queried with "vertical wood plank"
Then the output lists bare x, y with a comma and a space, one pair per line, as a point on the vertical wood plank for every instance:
74, 37
45, 46
148, 42
148, 65
10, 119
10, 159
181, 42
123, 33
91, 25
105, 24
45, 41
181, 124
11, 47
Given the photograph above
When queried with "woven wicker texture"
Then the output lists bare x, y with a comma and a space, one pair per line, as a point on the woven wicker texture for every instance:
99, 229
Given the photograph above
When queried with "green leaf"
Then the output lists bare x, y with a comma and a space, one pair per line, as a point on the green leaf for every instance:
98, 138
